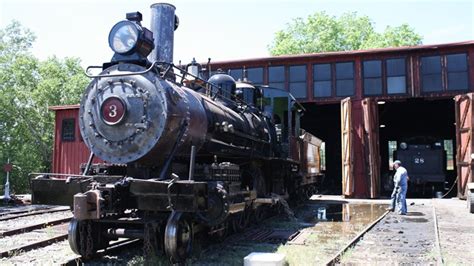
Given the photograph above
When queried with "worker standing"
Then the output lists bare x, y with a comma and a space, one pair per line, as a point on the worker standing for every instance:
399, 194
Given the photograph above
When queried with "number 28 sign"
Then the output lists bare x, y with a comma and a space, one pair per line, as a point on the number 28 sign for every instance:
419, 160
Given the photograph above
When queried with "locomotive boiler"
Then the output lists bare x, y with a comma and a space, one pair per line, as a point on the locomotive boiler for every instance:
184, 155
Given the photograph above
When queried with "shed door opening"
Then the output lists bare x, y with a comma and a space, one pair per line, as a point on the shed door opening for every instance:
421, 134
324, 121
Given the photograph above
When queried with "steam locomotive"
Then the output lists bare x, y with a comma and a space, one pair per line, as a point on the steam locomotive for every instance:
184, 154
426, 162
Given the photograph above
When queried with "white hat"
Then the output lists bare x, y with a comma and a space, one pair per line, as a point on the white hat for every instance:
397, 162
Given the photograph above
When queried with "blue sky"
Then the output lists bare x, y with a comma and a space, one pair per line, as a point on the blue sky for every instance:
222, 30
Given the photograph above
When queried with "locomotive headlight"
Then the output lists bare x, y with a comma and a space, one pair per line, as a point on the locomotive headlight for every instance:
127, 37
403, 146
123, 37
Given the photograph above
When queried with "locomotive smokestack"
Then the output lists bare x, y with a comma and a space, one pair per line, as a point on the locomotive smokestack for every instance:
163, 24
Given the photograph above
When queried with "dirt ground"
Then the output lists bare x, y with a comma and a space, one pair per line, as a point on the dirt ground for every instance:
398, 239
412, 239
323, 226
456, 231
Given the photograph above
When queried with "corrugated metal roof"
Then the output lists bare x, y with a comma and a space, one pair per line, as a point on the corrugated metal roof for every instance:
353, 52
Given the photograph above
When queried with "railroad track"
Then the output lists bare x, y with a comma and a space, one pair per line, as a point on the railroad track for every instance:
41, 228
24, 213
114, 248
337, 257
439, 255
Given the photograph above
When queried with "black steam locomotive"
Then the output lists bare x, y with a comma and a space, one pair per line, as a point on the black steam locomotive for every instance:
184, 155
426, 163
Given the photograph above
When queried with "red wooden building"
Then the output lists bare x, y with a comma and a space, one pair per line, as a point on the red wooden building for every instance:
69, 150
359, 102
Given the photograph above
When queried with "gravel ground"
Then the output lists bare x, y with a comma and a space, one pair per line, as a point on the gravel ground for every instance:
32, 220
4, 210
15, 241
456, 230
411, 239
54, 254
396, 239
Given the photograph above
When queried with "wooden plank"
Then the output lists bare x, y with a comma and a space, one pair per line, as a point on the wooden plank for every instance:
346, 148
464, 139
371, 145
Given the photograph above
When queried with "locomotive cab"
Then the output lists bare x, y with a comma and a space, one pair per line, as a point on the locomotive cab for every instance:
285, 112
247, 94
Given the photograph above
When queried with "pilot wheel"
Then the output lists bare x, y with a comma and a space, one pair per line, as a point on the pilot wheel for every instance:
178, 237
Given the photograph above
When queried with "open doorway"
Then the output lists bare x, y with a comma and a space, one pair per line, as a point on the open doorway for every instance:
420, 133
324, 121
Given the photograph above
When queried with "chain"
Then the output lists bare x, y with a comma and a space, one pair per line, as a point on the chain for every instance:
147, 242
90, 241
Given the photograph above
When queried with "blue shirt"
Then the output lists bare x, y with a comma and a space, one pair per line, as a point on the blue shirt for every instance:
401, 176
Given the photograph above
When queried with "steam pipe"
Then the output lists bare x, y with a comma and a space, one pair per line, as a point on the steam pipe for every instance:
163, 24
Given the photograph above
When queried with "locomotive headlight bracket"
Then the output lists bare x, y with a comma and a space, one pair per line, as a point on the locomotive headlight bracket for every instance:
127, 38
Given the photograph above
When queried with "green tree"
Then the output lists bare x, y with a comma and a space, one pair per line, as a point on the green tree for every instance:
321, 32
28, 87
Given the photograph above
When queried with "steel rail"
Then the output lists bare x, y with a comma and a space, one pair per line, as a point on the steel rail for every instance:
34, 245
30, 228
31, 213
113, 248
336, 258
439, 260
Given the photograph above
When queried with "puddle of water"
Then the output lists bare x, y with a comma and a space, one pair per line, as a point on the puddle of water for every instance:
332, 225
338, 212
416, 220
415, 214
331, 221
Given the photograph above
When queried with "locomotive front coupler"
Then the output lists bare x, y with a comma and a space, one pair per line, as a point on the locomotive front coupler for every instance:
103, 198
140, 194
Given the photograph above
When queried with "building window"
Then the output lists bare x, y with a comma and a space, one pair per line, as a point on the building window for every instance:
444, 73
322, 86
372, 77
345, 79
457, 72
298, 81
431, 74
392, 146
448, 147
276, 77
255, 75
396, 76
235, 73
68, 129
